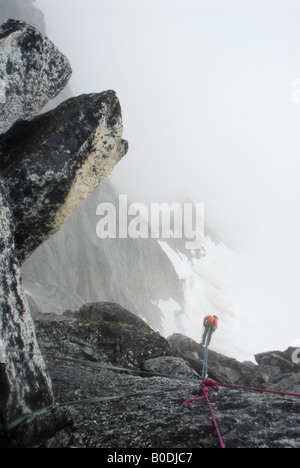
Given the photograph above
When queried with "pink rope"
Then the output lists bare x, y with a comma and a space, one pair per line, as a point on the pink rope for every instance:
208, 383
259, 390
206, 393
211, 383
187, 403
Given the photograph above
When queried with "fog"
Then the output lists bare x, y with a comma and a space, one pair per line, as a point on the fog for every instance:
208, 95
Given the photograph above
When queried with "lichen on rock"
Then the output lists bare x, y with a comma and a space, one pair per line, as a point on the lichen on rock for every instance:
54, 161
32, 72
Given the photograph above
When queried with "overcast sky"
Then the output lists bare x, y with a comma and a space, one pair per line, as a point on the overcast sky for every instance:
206, 91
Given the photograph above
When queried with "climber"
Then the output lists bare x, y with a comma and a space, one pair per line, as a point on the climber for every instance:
210, 324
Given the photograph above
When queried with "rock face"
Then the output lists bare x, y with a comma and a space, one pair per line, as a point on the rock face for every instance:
271, 370
148, 411
24, 382
54, 161
32, 72
48, 165
121, 337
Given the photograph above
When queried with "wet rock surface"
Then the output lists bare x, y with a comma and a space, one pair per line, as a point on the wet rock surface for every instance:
24, 382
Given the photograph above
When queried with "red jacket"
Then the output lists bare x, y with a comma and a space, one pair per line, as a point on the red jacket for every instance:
211, 321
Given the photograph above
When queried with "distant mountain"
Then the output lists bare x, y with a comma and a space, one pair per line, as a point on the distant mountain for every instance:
75, 267
159, 280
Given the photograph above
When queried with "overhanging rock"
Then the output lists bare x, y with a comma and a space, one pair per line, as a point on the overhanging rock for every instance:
52, 163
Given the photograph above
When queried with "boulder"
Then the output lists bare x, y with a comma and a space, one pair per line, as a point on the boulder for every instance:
32, 72
24, 382
222, 368
281, 359
52, 163
170, 365
288, 384
102, 332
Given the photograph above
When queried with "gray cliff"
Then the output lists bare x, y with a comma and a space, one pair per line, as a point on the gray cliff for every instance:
47, 168
24, 382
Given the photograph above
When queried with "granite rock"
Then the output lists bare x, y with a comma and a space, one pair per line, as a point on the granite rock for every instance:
24, 381
52, 163
32, 72
102, 332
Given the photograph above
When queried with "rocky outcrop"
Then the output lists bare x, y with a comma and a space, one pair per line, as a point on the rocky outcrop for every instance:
54, 161
107, 333
48, 165
274, 368
32, 72
25, 72
24, 382
148, 411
